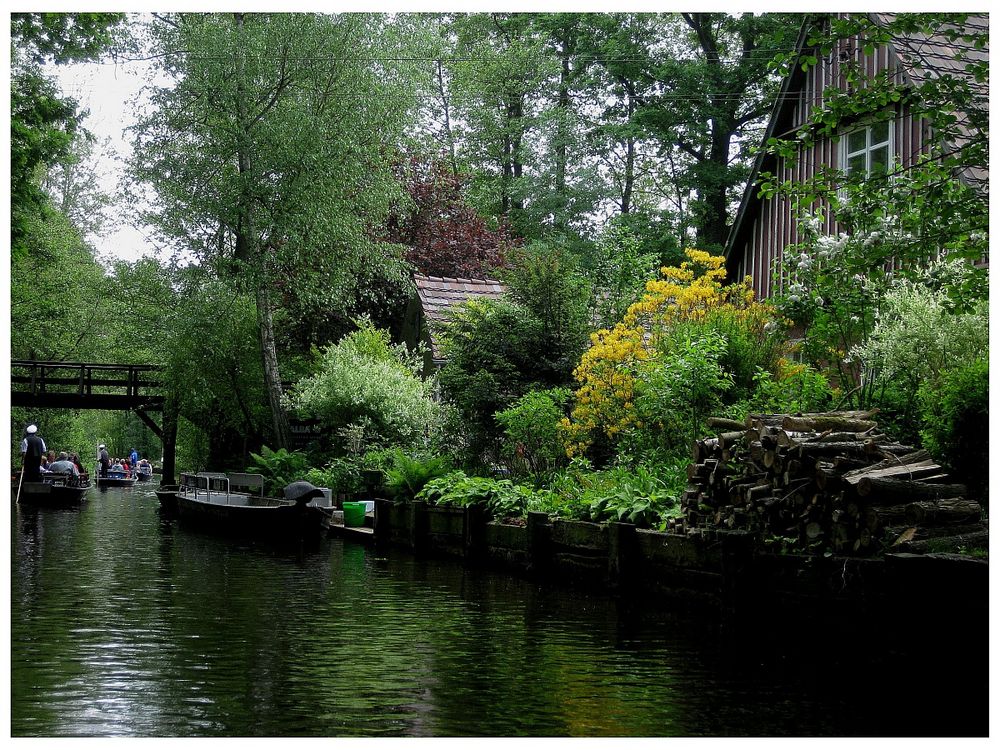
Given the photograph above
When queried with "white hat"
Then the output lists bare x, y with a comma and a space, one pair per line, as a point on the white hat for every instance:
31, 429
101, 445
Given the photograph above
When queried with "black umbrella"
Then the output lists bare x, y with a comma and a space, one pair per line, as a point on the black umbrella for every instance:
302, 492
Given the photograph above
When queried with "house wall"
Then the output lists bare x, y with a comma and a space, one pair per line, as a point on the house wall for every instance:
414, 333
775, 226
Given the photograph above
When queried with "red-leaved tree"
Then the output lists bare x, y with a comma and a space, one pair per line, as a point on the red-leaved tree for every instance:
444, 235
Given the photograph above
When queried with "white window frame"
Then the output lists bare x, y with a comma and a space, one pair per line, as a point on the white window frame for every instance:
890, 143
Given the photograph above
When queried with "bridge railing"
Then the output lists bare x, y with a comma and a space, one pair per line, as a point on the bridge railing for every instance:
82, 379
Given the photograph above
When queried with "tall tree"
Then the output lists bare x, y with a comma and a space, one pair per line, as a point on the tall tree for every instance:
567, 178
43, 123
515, 83
58, 294
705, 94
71, 187
270, 150
442, 233
499, 67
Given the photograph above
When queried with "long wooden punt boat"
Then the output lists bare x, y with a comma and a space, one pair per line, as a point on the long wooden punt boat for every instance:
236, 503
167, 495
52, 489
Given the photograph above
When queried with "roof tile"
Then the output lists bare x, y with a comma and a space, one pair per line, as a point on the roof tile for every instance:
438, 294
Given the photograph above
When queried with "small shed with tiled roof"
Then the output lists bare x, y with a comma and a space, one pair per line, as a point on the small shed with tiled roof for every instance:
436, 295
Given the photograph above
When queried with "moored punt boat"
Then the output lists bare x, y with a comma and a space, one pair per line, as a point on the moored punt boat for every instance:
235, 503
167, 495
52, 489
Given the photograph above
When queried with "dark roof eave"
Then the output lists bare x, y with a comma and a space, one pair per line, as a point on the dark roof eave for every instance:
750, 203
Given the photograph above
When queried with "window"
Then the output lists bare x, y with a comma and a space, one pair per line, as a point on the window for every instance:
868, 150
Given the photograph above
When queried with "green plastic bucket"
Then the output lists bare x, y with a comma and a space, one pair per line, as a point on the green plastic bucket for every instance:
354, 514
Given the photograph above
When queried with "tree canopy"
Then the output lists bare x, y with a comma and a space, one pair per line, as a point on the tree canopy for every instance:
300, 167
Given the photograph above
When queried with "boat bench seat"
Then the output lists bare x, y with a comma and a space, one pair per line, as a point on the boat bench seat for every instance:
249, 483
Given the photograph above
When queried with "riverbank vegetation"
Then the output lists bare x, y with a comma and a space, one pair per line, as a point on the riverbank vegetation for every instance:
297, 169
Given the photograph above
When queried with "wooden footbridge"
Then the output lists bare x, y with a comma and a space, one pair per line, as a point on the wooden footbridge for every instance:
76, 385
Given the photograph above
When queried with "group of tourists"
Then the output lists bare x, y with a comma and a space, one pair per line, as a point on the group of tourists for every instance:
37, 459
124, 465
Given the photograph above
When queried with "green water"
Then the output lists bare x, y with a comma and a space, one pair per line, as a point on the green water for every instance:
125, 624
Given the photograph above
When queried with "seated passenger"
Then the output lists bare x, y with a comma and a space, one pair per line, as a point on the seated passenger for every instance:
64, 465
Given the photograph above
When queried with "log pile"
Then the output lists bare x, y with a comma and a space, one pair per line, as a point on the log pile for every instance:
822, 482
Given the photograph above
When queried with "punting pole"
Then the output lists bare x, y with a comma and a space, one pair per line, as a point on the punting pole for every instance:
20, 479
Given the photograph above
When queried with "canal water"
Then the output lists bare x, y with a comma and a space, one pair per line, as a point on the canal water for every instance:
125, 624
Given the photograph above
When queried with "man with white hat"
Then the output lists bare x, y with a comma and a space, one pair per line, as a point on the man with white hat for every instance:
104, 458
32, 448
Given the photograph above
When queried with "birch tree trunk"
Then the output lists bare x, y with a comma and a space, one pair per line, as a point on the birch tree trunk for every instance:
269, 358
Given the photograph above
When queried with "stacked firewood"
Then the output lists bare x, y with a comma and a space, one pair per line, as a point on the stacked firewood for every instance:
822, 482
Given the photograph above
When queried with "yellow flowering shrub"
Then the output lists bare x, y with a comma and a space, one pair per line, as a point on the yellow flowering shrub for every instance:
604, 405
603, 401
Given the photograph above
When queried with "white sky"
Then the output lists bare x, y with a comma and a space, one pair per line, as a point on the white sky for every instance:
108, 91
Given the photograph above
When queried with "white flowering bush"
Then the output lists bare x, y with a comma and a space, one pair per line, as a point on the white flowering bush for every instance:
832, 284
838, 287
917, 335
365, 381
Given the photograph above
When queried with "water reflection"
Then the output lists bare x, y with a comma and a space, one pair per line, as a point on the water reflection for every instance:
125, 624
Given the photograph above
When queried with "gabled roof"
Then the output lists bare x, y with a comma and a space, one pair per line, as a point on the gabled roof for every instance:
781, 113
438, 294
924, 57
920, 56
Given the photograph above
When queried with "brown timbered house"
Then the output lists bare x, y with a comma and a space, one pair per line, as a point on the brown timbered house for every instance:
763, 228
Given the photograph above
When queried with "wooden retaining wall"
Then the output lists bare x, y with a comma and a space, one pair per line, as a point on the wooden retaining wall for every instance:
725, 568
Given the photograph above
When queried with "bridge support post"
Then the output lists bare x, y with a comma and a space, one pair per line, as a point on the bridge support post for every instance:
169, 440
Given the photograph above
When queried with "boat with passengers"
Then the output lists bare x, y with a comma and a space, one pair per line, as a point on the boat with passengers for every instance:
144, 471
117, 476
235, 502
52, 488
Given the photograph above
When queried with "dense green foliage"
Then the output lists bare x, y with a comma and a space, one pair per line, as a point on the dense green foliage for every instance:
917, 334
367, 384
302, 166
533, 441
561, 117
636, 496
353, 472
501, 498
956, 423
407, 475
43, 122
499, 350
279, 468
645, 496
304, 179
618, 270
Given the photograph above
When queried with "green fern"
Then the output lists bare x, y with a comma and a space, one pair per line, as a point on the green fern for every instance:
278, 468
408, 474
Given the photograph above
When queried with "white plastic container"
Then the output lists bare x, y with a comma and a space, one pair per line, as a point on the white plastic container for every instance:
323, 502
